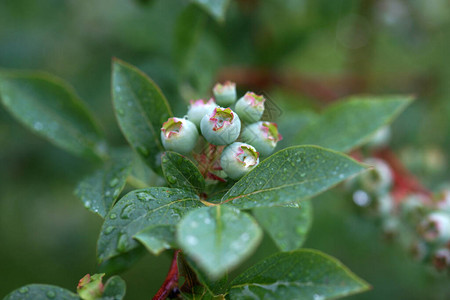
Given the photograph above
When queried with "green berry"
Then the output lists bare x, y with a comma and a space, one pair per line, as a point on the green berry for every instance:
198, 109
250, 107
238, 159
264, 136
221, 127
379, 179
225, 94
435, 227
179, 135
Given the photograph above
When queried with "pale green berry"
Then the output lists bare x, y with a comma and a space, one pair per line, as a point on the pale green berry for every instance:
250, 107
225, 94
378, 179
441, 259
179, 135
221, 127
238, 159
198, 109
435, 227
262, 135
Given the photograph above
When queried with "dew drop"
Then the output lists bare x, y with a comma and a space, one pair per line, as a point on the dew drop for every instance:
126, 211
171, 179
109, 229
116, 193
38, 126
87, 204
143, 151
51, 294
114, 182
192, 240
122, 243
113, 216
23, 290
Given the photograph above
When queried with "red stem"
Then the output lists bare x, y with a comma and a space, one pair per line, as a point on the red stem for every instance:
171, 280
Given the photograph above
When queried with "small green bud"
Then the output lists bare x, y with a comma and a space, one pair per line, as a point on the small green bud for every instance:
221, 127
198, 109
435, 227
238, 159
179, 135
264, 136
250, 107
225, 94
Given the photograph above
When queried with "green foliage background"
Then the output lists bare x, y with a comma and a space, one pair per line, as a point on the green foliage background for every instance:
346, 46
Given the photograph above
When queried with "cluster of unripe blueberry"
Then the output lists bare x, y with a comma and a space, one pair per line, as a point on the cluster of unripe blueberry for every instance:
223, 121
419, 220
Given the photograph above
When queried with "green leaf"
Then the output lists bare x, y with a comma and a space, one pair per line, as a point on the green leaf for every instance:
122, 262
157, 238
188, 29
351, 123
139, 210
290, 175
218, 238
180, 172
215, 8
115, 289
141, 109
50, 108
301, 274
99, 191
287, 226
41, 292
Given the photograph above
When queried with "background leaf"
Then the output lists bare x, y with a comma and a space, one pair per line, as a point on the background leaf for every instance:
138, 210
180, 172
301, 274
349, 124
49, 107
99, 191
141, 109
115, 289
216, 8
41, 292
188, 29
290, 175
218, 238
287, 226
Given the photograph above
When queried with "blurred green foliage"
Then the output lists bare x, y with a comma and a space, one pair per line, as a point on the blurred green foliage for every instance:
302, 53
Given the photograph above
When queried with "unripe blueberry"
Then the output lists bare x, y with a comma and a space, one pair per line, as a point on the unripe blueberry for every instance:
225, 94
198, 109
179, 135
441, 259
264, 136
380, 138
378, 179
435, 227
238, 159
221, 127
250, 107
442, 200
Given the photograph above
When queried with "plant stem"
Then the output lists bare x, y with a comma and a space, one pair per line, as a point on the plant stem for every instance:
171, 281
